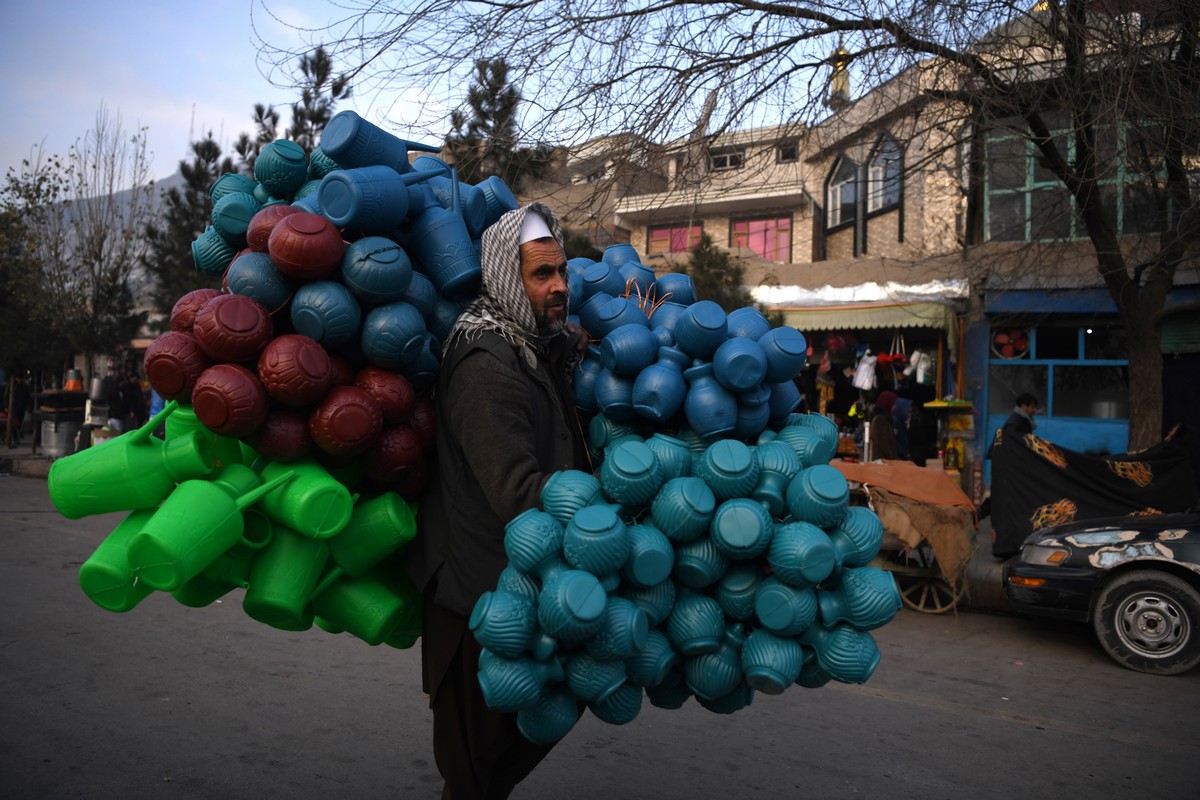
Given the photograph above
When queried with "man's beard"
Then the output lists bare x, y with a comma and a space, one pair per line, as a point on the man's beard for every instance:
549, 327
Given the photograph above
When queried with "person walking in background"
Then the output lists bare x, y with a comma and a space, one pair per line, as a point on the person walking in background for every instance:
133, 403
19, 405
1021, 422
901, 412
157, 404
881, 434
505, 422
113, 399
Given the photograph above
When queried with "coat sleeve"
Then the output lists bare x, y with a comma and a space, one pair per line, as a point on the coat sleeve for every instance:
492, 419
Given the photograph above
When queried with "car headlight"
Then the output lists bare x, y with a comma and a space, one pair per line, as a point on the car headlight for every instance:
1042, 555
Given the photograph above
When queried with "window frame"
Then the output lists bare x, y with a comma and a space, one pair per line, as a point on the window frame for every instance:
694, 232
877, 178
834, 188
1038, 184
773, 218
787, 143
729, 155
1052, 369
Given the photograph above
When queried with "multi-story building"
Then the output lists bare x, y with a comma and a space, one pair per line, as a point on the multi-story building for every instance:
904, 223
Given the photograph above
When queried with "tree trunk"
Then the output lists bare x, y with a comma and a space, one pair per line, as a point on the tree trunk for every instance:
1145, 380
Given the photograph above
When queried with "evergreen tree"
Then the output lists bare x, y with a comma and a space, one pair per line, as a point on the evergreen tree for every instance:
188, 209
717, 276
266, 126
485, 142
578, 245
186, 212
320, 94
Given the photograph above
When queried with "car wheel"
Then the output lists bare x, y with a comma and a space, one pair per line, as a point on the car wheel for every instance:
1149, 621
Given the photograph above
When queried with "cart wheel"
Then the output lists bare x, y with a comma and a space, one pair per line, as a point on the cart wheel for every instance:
922, 586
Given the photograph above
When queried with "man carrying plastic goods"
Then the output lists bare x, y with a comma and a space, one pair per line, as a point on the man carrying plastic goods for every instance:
505, 421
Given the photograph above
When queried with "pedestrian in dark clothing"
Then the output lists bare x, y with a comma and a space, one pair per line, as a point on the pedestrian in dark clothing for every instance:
900, 416
20, 404
882, 434
133, 404
922, 434
505, 422
113, 399
1020, 422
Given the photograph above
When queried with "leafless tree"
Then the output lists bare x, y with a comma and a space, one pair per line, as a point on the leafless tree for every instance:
88, 239
1098, 96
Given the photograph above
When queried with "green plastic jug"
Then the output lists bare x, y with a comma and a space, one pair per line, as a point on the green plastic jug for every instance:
314, 503
377, 528
225, 449
131, 471
231, 570
367, 607
283, 580
106, 577
195, 525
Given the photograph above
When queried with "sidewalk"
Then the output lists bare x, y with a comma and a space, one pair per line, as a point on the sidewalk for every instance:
985, 580
984, 593
19, 461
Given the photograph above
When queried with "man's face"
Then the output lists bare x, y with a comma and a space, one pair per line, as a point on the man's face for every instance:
1030, 409
544, 271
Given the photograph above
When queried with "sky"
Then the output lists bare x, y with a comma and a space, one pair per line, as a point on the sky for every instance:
176, 69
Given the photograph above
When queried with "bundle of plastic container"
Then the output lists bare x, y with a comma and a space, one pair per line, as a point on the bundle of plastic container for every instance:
343, 274
663, 357
290, 535
303, 380
684, 568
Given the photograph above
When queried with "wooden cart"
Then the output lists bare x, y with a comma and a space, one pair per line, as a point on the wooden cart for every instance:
929, 529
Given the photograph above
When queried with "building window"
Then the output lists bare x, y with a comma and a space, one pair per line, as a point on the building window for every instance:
787, 152
665, 239
883, 175
1024, 201
726, 158
769, 238
841, 195
1073, 370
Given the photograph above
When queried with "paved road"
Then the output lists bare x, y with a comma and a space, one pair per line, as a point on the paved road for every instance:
172, 702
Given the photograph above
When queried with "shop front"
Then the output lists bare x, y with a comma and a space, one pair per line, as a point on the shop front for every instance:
1068, 349
858, 350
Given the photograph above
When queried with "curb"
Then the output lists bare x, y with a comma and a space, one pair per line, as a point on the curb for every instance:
26, 465
985, 576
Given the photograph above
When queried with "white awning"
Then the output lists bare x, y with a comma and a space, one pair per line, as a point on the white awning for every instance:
869, 315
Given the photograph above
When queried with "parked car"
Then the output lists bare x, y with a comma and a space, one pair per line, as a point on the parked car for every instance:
1136, 579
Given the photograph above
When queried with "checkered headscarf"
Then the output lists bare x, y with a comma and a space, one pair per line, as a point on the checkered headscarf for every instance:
502, 305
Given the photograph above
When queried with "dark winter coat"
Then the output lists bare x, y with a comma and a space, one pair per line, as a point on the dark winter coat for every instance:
503, 427
882, 435
1017, 425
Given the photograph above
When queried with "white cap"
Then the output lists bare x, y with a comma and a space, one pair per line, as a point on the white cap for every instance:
534, 227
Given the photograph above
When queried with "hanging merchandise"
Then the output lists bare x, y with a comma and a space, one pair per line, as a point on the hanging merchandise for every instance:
921, 367
864, 373
825, 393
892, 362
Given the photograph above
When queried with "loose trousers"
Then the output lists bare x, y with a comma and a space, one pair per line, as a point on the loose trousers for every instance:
479, 752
